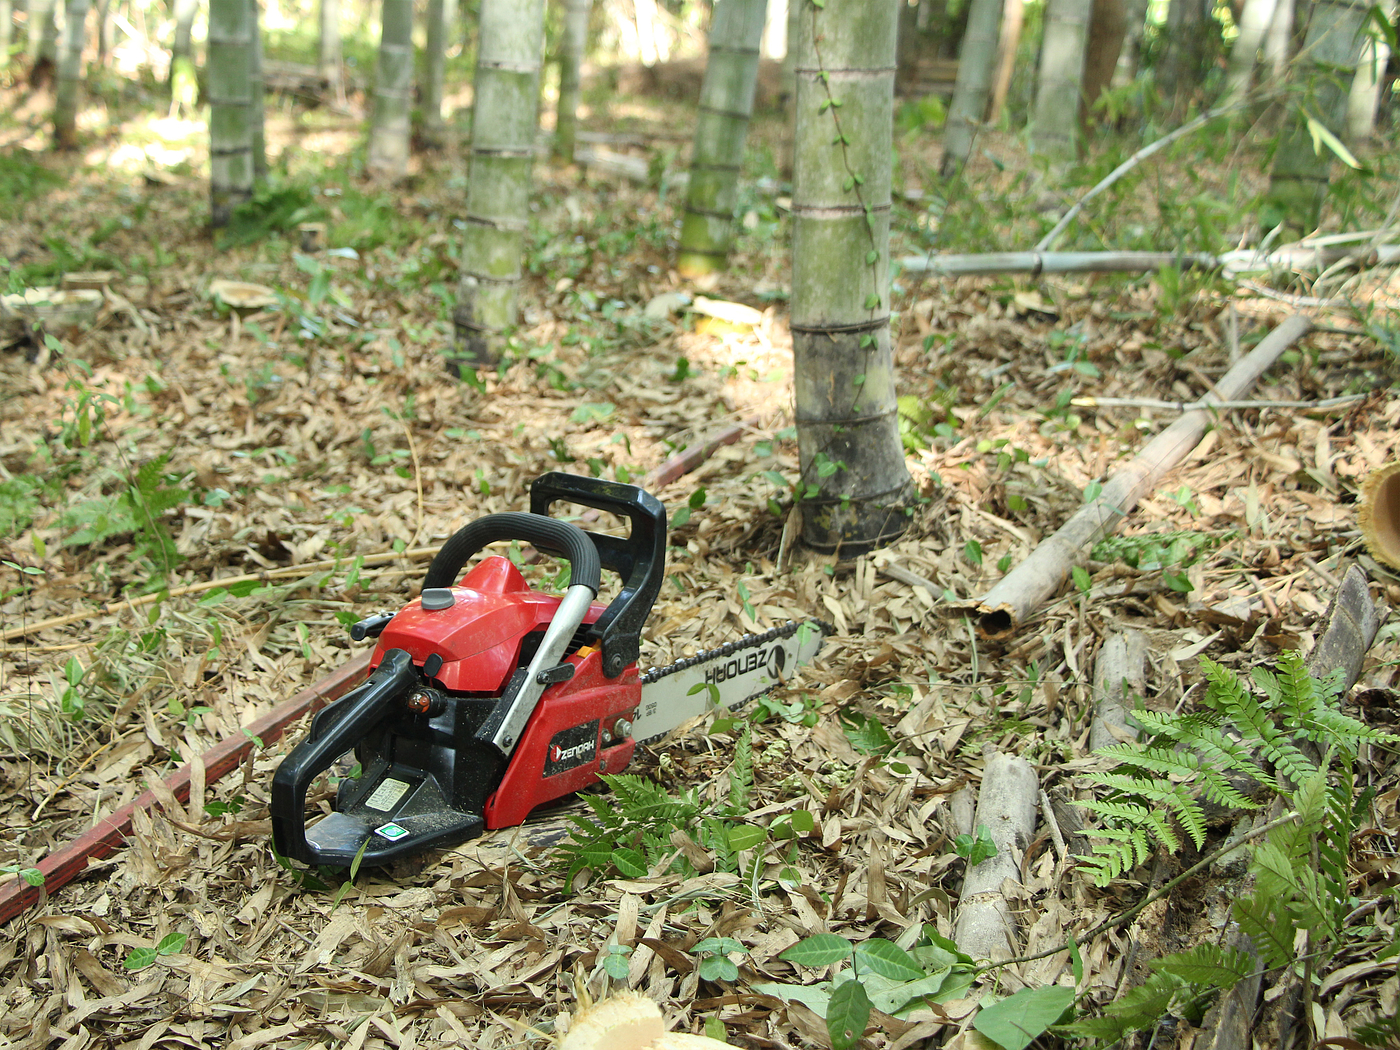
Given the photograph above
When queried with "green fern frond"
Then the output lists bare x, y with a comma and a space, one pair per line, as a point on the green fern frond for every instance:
1270, 931
1207, 965
1140, 1007
1114, 851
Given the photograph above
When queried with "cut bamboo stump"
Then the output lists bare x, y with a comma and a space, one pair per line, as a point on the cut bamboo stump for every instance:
1119, 675
1006, 805
1002, 610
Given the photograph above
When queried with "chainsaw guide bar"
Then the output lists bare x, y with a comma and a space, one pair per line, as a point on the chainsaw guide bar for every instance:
487, 699
780, 651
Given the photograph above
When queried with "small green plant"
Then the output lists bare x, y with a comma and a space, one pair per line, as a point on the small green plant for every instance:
615, 962
1171, 553
140, 958
714, 953
874, 974
33, 876
975, 848
694, 503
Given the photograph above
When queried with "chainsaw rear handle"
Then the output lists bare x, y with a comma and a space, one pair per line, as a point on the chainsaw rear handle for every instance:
640, 559
546, 534
329, 739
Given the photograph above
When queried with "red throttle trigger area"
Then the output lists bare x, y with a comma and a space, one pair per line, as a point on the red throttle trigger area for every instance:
486, 698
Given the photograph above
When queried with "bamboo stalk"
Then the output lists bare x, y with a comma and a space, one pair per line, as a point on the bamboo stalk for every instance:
1191, 406
1047, 567
1233, 264
726, 101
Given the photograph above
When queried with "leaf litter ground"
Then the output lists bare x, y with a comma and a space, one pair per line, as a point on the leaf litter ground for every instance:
299, 439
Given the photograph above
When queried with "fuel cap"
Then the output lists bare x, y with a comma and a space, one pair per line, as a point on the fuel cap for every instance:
437, 598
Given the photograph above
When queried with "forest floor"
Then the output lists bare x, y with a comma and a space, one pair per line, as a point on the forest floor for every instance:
172, 442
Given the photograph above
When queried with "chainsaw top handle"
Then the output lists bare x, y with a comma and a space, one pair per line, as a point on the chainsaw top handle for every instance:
639, 560
546, 534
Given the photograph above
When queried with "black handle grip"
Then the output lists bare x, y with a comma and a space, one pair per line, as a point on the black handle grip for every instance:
546, 534
394, 676
640, 559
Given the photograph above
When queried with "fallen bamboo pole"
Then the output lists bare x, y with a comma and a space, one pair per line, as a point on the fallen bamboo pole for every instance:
985, 927
1232, 264
1045, 570
1120, 675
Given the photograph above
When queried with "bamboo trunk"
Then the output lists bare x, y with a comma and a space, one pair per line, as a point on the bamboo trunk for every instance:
1055, 122
498, 188
393, 91
1254, 24
182, 48
7, 15
1278, 41
70, 75
976, 67
726, 101
1034, 580
441, 14
328, 50
1331, 53
1130, 54
1365, 95
571, 52
257, 114
854, 480
43, 33
229, 75
1013, 17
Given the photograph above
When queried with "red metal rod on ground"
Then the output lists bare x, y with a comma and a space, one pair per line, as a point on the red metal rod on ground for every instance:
684, 462
68, 863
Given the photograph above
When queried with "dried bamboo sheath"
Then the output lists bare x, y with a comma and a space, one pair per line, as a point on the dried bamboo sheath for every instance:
1044, 572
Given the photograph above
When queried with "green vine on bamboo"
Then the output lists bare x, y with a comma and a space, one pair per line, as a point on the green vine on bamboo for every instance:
854, 179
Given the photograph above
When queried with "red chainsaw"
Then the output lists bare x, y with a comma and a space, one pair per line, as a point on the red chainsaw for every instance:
487, 698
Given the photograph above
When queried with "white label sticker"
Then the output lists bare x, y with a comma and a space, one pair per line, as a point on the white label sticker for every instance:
386, 796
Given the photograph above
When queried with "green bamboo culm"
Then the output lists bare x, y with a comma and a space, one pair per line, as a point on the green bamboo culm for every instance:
230, 86
976, 62
257, 114
393, 91
854, 484
1325, 69
70, 75
1060, 82
182, 47
726, 102
43, 35
328, 49
571, 52
440, 15
498, 186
